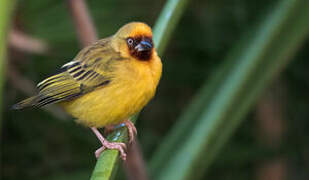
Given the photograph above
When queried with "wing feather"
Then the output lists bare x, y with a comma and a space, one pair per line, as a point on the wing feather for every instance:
91, 68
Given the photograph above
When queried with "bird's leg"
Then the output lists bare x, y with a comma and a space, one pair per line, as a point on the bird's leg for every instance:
121, 147
131, 129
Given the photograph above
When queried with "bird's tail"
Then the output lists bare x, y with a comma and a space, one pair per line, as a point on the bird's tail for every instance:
25, 103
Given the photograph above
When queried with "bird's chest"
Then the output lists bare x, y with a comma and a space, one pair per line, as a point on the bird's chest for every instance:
132, 93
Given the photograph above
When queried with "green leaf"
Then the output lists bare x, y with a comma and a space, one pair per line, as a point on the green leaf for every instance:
167, 22
221, 105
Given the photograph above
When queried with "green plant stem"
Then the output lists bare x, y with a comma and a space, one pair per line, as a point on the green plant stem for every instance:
6, 7
107, 163
220, 107
167, 22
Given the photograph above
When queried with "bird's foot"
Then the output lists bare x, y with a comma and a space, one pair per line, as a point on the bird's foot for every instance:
121, 147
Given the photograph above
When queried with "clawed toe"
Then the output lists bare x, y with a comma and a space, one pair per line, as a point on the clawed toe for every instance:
121, 147
98, 152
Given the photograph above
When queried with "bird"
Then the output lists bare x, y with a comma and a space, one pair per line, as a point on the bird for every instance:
106, 83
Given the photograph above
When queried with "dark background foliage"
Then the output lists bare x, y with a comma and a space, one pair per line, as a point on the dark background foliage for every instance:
36, 145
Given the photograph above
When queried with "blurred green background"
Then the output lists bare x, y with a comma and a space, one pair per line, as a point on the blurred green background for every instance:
271, 143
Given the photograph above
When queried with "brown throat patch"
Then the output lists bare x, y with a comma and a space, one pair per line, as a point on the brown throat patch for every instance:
140, 55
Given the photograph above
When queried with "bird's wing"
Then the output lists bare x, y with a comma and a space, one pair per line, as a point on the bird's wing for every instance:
91, 68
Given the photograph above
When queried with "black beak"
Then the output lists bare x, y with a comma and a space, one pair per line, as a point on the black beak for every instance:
144, 46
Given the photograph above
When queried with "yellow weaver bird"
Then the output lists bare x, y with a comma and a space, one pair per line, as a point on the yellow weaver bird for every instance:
106, 83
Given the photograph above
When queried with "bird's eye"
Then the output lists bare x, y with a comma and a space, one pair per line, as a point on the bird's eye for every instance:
130, 41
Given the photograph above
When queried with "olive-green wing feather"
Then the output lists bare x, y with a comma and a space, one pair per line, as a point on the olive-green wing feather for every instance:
92, 68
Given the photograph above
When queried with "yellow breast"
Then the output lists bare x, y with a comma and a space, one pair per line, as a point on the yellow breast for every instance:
133, 85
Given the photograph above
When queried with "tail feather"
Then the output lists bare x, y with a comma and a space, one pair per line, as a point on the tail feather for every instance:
25, 103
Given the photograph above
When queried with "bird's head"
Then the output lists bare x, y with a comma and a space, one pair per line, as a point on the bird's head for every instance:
134, 40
